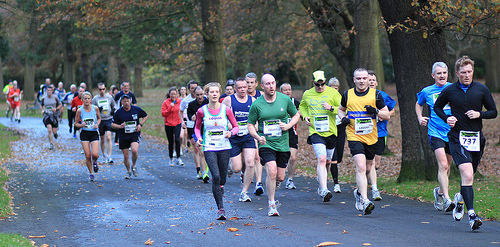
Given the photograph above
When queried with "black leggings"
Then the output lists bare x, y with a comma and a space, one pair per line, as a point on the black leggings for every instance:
71, 119
338, 153
173, 137
217, 162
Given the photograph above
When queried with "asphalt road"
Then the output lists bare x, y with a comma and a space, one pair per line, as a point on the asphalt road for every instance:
52, 197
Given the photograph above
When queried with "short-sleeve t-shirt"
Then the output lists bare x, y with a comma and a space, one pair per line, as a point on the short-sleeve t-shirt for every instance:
131, 118
311, 106
436, 126
48, 103
119, 95
107, 103
268, 115
382, 125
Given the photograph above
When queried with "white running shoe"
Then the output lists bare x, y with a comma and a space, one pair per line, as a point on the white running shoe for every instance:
171, 163
336, 188
358, 203
179, 162
325, 194
273, 209
368, 207
134, 171
376, 195
458, 211
448, 205
438, 199
289, 184
244, 197
110, 160
474, 222
175, 154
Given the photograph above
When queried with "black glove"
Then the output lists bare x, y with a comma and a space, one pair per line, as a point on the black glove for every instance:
371, 110
100, 108
345, 121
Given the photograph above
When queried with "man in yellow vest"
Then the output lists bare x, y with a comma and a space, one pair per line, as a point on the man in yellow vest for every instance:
363, 105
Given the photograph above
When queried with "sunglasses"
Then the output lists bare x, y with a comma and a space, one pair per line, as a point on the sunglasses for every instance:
102, 89
319, 85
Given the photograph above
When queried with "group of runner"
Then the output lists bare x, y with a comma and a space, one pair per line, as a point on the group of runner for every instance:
13, 95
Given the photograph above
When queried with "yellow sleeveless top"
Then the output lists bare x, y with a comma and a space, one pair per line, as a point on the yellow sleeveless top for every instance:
363, 126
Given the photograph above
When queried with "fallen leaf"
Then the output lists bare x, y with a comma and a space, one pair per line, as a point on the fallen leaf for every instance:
232, 229
56, 231
44, 245
149, 242
234, 218
42, 236
174, 218
168, 242
425, 222
328, 244
366, 244
344, 231
237, 234
248, 224
117, 229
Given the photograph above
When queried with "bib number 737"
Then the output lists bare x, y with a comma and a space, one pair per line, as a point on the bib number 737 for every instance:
470, 140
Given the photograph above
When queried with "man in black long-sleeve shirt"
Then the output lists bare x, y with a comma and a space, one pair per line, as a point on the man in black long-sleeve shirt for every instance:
466, 99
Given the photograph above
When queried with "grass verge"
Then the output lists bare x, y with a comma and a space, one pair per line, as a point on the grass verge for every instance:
7, 136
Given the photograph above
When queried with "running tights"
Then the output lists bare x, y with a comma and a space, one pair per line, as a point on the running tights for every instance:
217, 162
173, 137
468, 196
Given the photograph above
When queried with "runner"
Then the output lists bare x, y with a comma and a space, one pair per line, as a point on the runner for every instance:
319, 107
50, 105
437, 130
107, 107
271, 113
252, 83
6, 92
71, 114
466, 99
242, 142
129, 120
338, 152
293, 139
76, 103
88, 119
382, 135
61, 92
14, 96
229, 90
125, 91
170, 111
363, 105
215, 140
184, 137
192, 108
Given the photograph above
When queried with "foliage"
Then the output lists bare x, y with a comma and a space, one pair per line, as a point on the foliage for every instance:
16, 240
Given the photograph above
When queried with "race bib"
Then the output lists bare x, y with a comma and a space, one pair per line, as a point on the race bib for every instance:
130, 127
470, 140
272, 128
435, 96
214, 138
322, 123
243, 125
363, 126
104, 104
16, 98
190, 124
89, 122
338, 121
48, 110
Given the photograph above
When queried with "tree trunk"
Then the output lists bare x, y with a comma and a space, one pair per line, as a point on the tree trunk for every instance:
138, 79
413, 56
111, 75
492, 63
367, 42
85, 67
29, 81
1, 73
123, 71
68, 57
213, 52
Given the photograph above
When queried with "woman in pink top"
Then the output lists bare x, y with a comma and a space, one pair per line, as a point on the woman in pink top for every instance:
214, 138
170, 111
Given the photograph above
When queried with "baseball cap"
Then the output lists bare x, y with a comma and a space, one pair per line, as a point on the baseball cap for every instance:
230, 82
319, 75
125, 96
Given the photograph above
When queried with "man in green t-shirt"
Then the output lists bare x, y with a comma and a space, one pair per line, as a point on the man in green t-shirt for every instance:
271, 112
319, 108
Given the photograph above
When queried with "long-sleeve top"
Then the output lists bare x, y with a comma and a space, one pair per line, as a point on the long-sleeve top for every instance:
171, 113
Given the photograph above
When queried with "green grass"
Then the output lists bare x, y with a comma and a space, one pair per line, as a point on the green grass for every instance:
8, 136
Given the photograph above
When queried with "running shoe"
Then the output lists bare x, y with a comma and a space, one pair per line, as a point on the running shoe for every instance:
448, 205
325, 194
116, 143
229, 172
91, 177
19, 120
278, 185
56, 135
171, 163
438, 199
376, 195
368, 207
182, 153
74, 136
128, 175
175, 154
273, 210
474, 222
110, 160
95, 166
82, 152
289, 184
198, 175
179, 162
244, 197
336, 188
186, 150
134, 171
458, 211
221, 214
206, 178
51, 146
259, 189
358, 203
